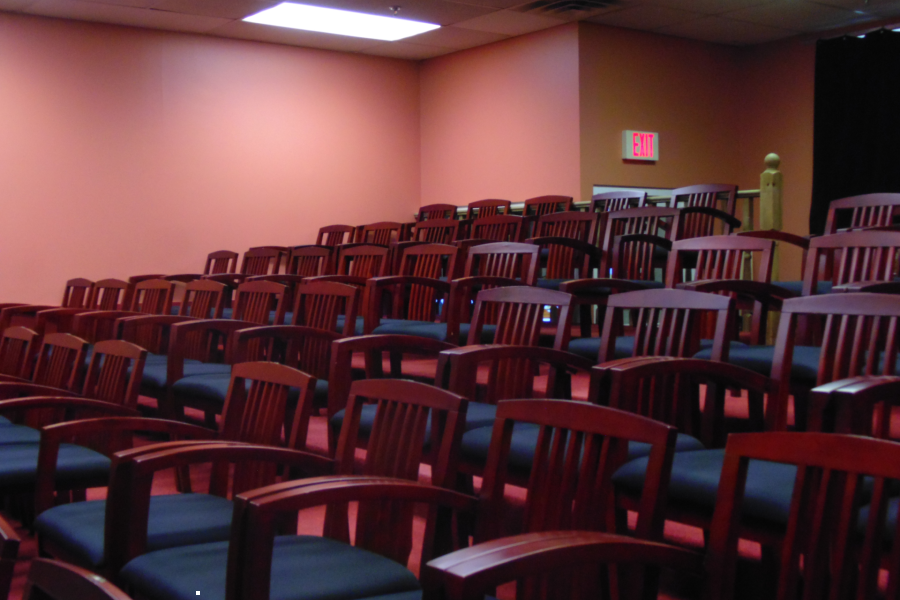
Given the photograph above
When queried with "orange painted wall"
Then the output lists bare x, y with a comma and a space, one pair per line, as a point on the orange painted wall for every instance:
131, 151
501, 121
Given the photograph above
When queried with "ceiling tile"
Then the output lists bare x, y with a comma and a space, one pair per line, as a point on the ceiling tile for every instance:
406, 50
708, 7
799, 15
124, 15
227, 9
721, 30
456, 38
291, 37
645, 16
510, 22
429, 11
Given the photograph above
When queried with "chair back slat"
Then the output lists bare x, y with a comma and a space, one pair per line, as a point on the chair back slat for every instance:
481, 209
436, 211
498, 228
256, 300
566, 262
310, 261
703, 196
613, 201
16, 349
335, 235
318, 305
109, 294
203, 299
221, 261
77, 293
544, 205
860, 212
114, 372
437, 231
852, 257
61, 361
380, 234
363, 261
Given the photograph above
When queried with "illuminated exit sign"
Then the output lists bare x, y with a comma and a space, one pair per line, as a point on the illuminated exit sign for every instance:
640, 145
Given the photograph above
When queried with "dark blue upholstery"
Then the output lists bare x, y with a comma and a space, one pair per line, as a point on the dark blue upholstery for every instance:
822, 287
213, 387
890, 525
174, 520
358, 329
434, 331
804, 367
154, 376
589, 347
18, 465
303, 568
476, 442
19, 434
4, 421
695, 480
550, 284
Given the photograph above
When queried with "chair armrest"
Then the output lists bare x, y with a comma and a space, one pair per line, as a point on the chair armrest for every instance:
779, 236
16, 389
279, 332
347, 279
729, 220
128, 502
57, 316
127, 325
339, 372
229, 279
848, 405
876, 287
62, 401
376, 287
464, 361
585, 247
256, 512
596, 290
7, 314
767, 293
475, 571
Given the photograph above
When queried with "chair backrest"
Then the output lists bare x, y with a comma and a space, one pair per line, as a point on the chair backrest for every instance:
481, 209
61, 362
437, 231
703, 196
318, 304
77, 293
16, 351
867, 210
518, 314
721, 257
114, 373
858, 337
55, 580
436, 211
498, 228
428, 260
220, 261
852, 257
363, 261
613, 201
264, 260
380, 234
335, 235
567, 261
648, 220
836, 538
108, 294
310, 261
422, 302
153, 297
258, 300
504, 259
203, 299
256, 411
578, 448
667, 323
544, 205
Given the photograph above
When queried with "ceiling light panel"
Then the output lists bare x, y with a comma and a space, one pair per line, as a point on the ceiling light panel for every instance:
339, 22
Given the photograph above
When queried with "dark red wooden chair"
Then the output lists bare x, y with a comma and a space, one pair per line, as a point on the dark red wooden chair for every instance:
569, 240
106, 294
105, 534
76, 294
55, 580
18, 348
335, 235
858, 261
380, 234
221, 261
383, 529
497, 228
436, 211
59, 369
149, 297
262, 260
614, 201
709, 197
862, 212
481, 209
544, 205
311, 261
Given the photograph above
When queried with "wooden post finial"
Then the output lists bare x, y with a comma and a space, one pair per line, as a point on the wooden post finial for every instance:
771, 183
773, 161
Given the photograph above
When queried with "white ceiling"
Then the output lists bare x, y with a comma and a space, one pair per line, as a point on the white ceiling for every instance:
470, 23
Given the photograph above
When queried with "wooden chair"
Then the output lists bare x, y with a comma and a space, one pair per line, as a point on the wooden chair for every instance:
857, 260
394, 454
615, 201
380, 234
59, 369
311, 261
544, 205
221, 261
149, 297
76, 294
834, 547
436, 211
335, 235
698, 224
436, 231
104, 535
481, 209
362, 262
107, 294
497, 228
17, 351
263, 260
570, 242
862, 212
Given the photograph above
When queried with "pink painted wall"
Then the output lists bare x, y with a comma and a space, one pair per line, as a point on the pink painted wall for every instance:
130, 151
501, 121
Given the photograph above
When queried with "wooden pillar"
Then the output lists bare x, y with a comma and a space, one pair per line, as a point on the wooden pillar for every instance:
771, 184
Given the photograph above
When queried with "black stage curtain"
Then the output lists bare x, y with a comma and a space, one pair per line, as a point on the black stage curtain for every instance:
857, 120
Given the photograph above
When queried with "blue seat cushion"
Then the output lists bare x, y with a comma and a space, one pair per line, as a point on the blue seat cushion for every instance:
822, 287
434, 331
4, 421
551, 284
303, 568
18, 465
476, 442
213, 387
156, 358
19, 434
890, 522
589, 347
358, 328
695, 481
804, 367
174, 520
155, 374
